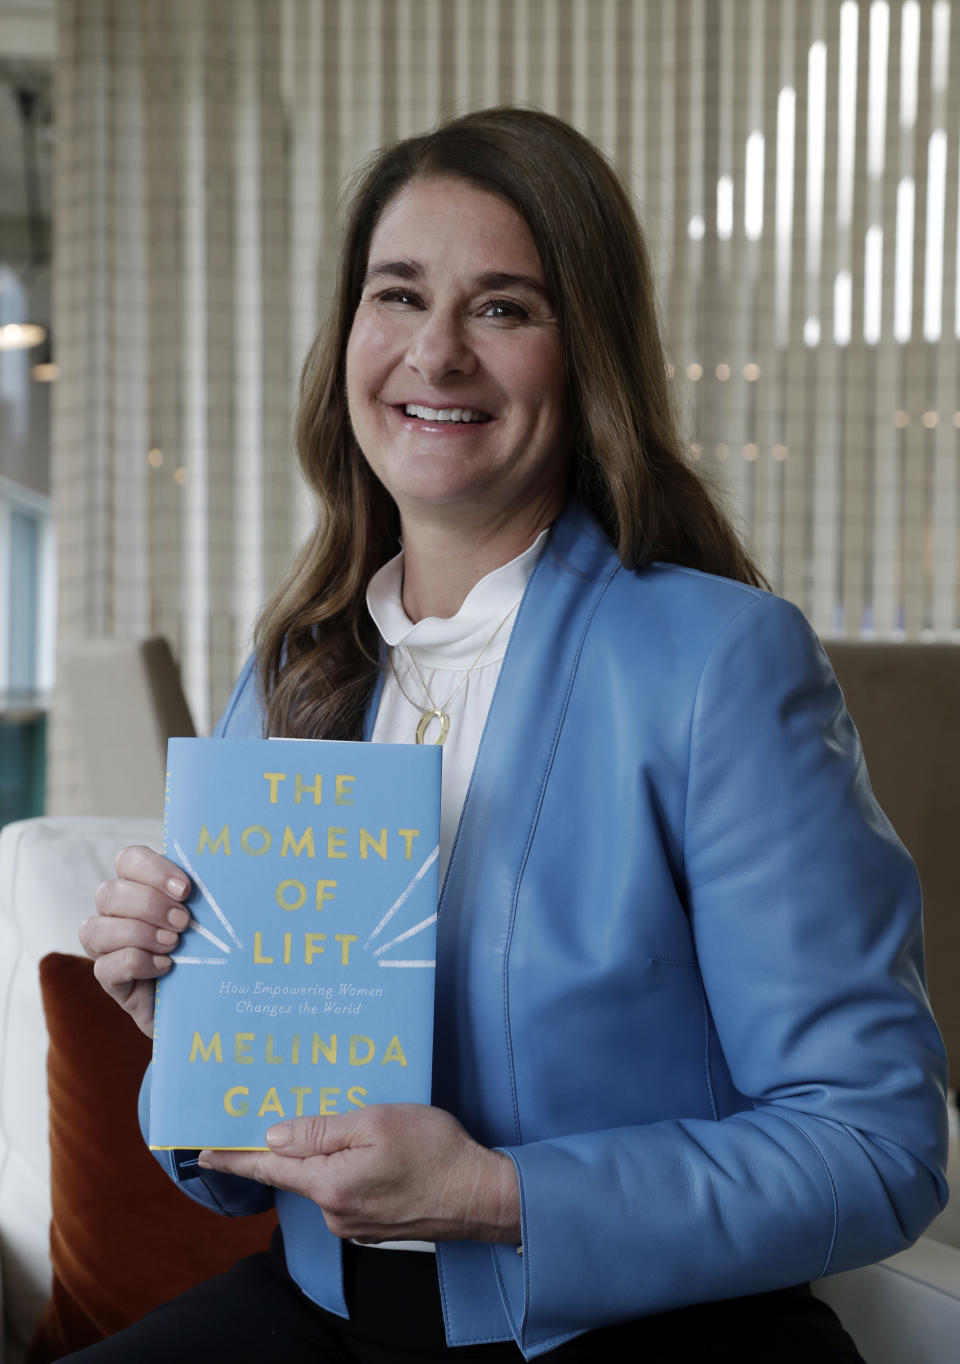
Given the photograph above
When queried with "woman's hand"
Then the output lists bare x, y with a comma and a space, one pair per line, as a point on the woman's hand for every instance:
137, 925
389, 1172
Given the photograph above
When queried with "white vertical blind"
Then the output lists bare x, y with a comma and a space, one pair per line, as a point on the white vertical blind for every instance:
795, 165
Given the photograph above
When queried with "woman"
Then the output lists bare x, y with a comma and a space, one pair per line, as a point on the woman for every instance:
684, 1061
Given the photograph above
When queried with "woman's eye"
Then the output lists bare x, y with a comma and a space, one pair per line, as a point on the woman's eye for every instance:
402, 296
505, 310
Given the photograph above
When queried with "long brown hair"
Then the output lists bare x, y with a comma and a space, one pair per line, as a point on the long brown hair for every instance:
317, 648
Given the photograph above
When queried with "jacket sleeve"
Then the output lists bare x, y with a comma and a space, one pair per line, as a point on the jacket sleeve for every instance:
805, 912
224, 1193
228, 1194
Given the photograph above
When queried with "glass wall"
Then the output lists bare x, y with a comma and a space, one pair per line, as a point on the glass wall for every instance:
27, 623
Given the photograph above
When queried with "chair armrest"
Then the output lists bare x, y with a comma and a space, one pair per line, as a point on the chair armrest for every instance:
904, 1310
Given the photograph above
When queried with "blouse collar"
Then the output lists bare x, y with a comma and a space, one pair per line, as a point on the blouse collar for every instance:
454, 641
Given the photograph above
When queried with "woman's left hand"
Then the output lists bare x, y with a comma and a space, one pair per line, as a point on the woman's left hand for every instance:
390, 1172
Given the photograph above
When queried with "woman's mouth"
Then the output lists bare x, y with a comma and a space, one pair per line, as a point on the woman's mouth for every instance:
445, 414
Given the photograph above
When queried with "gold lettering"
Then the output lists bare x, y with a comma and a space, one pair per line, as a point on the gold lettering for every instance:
213, 1049
271, 1104
408, 835
291, 845
343, 795
258, 956
274, 778
206, 842
379, 845
281, 894
261, 832
234, 1108
345, 939
300, 1092
316, 789
313, 946
322, 895
394, 1052
329, 1049
353, 1096
355, 1058
328, 1100
269, 1055
336, 838
241, 1048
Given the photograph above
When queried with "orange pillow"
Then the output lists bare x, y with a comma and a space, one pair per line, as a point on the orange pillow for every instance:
123, 1238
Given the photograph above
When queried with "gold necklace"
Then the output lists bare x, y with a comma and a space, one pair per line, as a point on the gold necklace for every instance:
435, 712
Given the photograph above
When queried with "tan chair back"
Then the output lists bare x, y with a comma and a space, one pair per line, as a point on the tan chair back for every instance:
905, 703
124, 700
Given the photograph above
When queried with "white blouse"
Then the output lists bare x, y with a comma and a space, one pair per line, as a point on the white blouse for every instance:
444, 650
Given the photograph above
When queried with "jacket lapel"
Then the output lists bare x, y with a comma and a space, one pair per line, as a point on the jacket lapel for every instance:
473, 1067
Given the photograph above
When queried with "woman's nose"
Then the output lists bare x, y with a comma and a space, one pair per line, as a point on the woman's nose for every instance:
440, 347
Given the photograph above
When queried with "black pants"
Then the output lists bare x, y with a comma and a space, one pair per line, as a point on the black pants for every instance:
255, 1313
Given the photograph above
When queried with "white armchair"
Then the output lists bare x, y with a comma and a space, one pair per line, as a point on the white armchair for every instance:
49, 869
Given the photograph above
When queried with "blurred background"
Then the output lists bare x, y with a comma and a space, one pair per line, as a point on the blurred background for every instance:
170, 176
170, 172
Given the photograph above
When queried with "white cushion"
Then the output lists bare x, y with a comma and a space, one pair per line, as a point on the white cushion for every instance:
49, 869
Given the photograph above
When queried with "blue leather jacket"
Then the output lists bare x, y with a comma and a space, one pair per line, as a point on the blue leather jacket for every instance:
680, 977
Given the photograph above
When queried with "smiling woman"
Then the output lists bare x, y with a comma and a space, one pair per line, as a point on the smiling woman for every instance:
455, 378
683, 1056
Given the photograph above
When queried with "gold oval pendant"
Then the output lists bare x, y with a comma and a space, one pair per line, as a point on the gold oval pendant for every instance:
424, 725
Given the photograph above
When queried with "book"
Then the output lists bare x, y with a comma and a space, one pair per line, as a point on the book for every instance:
304, 981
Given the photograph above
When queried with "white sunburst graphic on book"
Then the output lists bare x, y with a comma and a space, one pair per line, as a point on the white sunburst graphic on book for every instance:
208, 898
409, 932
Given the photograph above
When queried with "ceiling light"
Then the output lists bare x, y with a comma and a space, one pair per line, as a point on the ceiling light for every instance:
21, 335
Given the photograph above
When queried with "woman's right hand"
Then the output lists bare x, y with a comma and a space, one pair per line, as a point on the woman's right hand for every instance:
138, 922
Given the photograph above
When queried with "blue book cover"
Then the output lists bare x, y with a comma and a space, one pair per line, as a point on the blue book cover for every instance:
304, 983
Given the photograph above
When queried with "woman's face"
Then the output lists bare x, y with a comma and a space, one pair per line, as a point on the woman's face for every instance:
455, 378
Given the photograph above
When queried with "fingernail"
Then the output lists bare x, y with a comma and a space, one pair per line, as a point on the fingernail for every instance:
162, 963
203, 1160
178, 917
279, 1135
176, 885
165, 937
